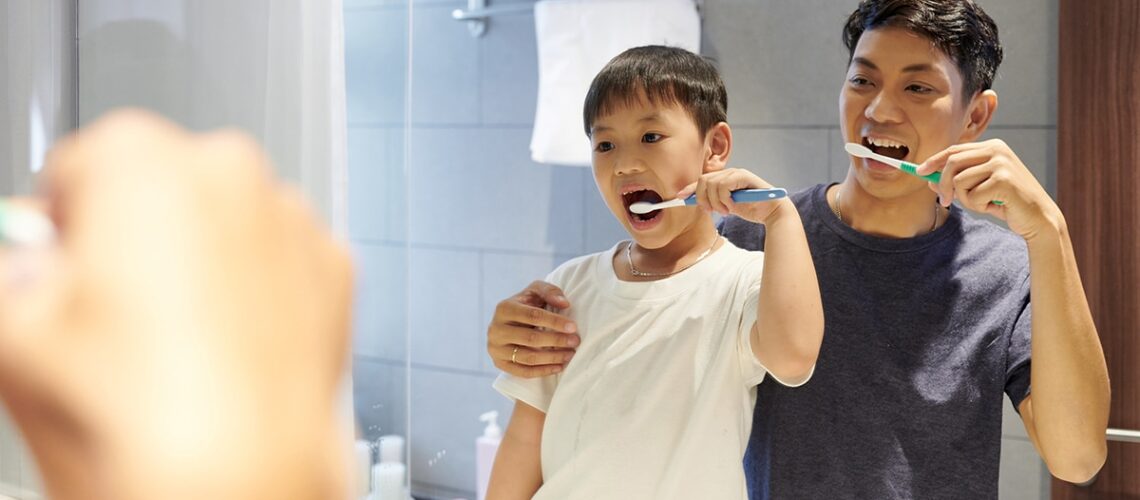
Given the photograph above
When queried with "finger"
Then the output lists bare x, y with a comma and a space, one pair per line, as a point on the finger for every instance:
516, 313
530, 357
955, 164
540, 294
499, 335
724, 196
687, 191
938, 160
702, 192
979, 198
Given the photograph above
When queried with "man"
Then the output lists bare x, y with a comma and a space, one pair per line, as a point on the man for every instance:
928, 312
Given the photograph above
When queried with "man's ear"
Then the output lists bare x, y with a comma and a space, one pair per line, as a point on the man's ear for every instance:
718, 146
978, 115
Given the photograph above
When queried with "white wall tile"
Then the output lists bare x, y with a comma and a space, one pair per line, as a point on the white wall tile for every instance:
381, 303
445, 423
478, 188
444, 317
509, 72
377, 185
376, 63
380, 397
445, 67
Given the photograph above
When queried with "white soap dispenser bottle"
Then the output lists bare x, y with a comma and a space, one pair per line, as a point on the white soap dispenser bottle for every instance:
485, 448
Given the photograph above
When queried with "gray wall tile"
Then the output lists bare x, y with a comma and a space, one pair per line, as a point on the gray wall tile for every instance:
1026, 82
478, 188
783, 62
377, 185
444, 316
794, 158
445, 415
1011, 424
380, 312
376, 46
1023, 475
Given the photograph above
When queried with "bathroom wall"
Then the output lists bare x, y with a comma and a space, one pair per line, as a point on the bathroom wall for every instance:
448, 215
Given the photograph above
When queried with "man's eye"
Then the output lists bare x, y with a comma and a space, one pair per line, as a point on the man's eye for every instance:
602, 147
919, 89
651, 137
859, 81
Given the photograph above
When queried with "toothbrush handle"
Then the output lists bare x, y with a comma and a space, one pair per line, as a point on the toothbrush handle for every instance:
749, 195
934, 177
912, 169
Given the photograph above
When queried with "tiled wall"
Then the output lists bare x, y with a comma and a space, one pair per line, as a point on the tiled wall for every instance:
448, 215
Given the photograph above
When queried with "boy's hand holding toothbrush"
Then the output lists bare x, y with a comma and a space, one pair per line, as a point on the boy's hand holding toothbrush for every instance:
982, 174
714, 193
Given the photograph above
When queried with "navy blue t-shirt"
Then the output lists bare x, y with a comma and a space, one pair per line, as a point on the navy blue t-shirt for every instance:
923, 335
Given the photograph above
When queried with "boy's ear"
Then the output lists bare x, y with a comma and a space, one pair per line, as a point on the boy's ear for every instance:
978, 115
718, 146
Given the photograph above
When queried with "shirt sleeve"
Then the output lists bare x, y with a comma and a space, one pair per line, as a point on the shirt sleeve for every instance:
536, 392
1018, 354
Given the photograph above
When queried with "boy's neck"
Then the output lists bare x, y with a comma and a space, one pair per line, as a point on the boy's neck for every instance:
901, 217
696, 243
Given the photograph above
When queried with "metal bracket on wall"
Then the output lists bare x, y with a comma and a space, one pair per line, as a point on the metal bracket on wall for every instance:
477, 13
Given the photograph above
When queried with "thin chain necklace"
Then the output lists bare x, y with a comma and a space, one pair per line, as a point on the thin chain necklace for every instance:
643, 274
839, 212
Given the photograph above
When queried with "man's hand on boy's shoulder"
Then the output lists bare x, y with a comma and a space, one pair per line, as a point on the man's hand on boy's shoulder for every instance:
978, 174
526, 340
714, 194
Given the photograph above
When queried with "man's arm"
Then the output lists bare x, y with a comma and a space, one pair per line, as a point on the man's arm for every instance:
526, 340
518, 471
1067, 414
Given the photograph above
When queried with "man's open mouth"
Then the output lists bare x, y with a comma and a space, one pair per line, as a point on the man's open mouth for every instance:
641, 195
887, 147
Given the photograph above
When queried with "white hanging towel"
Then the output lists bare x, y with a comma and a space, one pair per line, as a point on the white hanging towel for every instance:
575, 39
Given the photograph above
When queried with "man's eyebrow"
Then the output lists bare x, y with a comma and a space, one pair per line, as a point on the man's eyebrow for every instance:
913, 68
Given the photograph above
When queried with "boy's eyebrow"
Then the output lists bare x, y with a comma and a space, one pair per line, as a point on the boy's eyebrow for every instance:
913, 68
652, 117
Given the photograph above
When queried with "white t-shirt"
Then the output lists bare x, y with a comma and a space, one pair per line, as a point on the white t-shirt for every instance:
658, 400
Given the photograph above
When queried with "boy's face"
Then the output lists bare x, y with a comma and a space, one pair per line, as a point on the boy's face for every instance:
647, 152
902, 98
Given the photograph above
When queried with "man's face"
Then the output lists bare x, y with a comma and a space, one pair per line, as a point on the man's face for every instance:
902, 98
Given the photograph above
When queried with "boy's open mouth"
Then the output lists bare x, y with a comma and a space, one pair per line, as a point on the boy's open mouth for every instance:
887, 147
646, 195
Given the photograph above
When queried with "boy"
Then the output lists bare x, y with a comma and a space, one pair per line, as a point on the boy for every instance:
676, 329
929, 318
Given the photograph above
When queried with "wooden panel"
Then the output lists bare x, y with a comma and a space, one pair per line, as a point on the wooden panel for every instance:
1098, 188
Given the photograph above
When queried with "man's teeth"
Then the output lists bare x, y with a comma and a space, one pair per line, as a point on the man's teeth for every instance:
885, 143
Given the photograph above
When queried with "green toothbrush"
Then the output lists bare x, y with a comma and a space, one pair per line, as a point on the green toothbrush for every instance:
863, 152
20, 226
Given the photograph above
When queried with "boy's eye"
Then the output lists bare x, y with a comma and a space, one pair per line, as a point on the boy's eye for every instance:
651, 137
604, 146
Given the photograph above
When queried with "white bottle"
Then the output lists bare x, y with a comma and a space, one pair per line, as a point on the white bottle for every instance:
388, 475
485, 448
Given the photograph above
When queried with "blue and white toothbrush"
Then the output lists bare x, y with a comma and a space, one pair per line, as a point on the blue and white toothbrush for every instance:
24, 227
739, 196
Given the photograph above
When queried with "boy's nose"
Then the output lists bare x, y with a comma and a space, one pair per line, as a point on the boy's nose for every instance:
628, 166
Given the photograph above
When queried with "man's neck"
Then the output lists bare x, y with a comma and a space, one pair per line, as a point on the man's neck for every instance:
902, 217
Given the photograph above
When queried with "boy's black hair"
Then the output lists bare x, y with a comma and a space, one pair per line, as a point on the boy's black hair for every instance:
667, 75
959, 28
